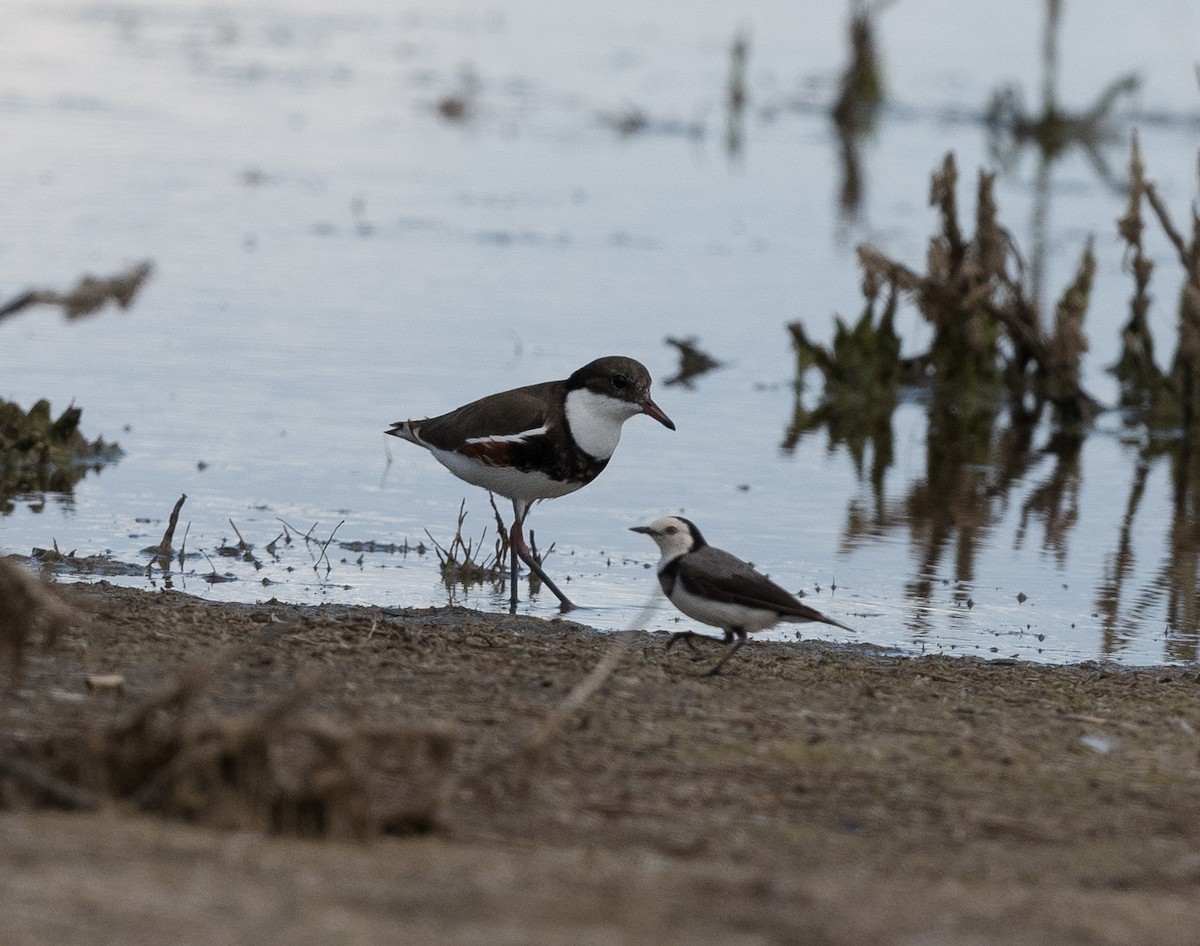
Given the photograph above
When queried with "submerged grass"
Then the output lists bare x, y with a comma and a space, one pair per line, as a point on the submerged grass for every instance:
463, 560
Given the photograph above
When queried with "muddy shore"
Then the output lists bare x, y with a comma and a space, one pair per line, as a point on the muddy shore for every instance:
810, 794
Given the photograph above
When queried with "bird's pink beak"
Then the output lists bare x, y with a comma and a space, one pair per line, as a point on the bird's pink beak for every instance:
653, 410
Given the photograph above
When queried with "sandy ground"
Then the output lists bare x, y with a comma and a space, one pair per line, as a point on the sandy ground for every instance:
810, 794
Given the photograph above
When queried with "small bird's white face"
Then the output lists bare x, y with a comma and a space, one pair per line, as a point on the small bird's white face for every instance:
671, 534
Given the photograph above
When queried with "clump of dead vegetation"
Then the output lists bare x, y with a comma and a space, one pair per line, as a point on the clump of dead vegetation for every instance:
988, 331
693, 361
991, 343
1171, 397
1160, 399
87, 296
37, 452
29, 610
861, 95
996, 367
1054, 129
279, 768
862, 371
41, 453
464, 561
989, 340
861, 90
284, 766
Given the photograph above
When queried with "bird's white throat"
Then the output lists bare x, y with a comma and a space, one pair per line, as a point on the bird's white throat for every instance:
670, 553
596, 420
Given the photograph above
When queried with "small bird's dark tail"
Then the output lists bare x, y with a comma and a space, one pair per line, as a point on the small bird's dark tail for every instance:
844, 627
804, 614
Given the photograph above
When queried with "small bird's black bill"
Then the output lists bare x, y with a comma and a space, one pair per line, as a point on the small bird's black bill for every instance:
644, 530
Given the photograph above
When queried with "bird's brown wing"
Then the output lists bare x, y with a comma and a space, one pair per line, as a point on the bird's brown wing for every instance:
714, 573
512, 412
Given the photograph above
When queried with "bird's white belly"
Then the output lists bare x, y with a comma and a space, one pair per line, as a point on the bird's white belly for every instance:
723, 614
503, 480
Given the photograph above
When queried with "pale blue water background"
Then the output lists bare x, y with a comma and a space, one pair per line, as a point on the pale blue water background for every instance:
332, 255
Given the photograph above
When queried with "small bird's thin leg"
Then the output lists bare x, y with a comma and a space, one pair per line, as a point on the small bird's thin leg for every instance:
734, 648
516, 539
687, 637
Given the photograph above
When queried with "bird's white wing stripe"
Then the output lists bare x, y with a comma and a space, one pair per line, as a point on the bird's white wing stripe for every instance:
510, 438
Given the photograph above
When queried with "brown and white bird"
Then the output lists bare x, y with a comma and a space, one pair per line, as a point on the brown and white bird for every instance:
539, 442
719, 589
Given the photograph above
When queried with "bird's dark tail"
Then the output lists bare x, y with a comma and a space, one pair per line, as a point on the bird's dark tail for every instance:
405, 431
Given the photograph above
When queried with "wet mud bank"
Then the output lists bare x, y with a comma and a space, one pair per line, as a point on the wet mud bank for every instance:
809, 793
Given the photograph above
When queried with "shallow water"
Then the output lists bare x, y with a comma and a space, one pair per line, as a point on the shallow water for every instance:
332, 254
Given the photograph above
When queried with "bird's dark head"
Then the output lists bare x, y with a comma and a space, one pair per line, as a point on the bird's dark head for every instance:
674, 535
622, 380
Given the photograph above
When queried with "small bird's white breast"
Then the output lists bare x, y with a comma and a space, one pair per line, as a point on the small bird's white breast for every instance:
596, 420
722, 614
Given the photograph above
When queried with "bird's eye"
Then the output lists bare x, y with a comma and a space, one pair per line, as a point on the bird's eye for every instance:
671, 530
620, 381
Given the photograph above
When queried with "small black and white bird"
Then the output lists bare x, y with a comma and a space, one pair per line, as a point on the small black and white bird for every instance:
720, 589
540, 441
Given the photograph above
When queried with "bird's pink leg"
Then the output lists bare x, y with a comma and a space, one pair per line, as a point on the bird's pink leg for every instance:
516, 540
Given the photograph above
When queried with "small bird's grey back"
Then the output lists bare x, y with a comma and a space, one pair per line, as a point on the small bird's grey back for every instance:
715, 573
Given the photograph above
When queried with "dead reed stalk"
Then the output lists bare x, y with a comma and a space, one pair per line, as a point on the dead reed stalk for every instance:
975, 297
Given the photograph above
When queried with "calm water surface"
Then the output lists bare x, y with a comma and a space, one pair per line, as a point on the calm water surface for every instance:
332, 254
